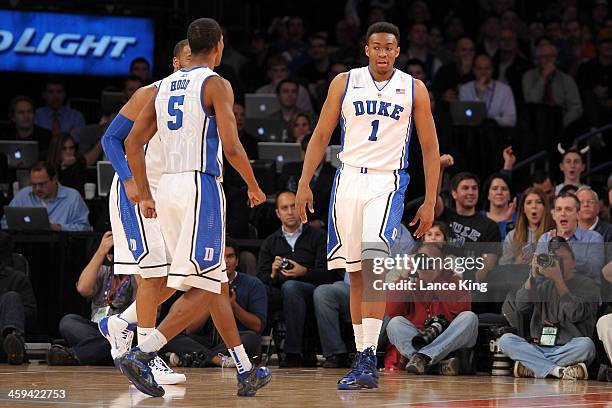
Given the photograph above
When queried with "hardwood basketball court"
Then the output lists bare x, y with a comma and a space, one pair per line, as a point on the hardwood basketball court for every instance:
105, 387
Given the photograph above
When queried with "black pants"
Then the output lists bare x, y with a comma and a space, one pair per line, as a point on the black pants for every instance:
12, 313
88, 344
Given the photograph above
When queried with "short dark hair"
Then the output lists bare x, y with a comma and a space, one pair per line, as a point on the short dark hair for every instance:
281, 192
276, 60
232, 243
572, 150
53, 80
203, 35
464, 175
383, 27
539, 177
16, 100
137, 60
285, 81
566, 194
46, 166
415, 61
178, 47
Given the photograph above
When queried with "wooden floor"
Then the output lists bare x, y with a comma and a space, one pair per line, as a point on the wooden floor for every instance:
105, 387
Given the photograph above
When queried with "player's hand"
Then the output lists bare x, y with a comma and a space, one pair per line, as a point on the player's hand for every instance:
147, 208
509, 158
106, 243
295, 272
256, 197
303, 198
446, 160
131, 190
425, 218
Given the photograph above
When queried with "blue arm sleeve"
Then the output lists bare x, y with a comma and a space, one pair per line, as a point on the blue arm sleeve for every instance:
112, 143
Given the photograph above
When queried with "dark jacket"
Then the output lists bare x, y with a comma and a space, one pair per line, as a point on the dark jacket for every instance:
13, 280
310, 251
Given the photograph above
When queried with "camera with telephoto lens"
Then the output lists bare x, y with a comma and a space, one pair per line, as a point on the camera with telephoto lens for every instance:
545, 260
548, 259
433, 327
286, 265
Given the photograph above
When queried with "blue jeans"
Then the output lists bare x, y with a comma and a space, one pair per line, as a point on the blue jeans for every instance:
542, 360
460, 333
12, 313
296, 295
88, 344
331, 303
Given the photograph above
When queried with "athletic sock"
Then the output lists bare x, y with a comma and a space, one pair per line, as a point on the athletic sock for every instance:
143, 333
243, 364
153, 342
129, 314
358, 330
371, 332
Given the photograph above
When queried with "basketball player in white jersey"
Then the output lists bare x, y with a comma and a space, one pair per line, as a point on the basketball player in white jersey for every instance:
376, 105
139, 247
192, 113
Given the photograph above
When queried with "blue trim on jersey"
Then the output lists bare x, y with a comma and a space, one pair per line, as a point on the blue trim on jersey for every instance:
192, 68
134, 233
396, 208
385, 85
348, 79
212, 148
209, 232
333, 239
409, 134
202, 93
112, 143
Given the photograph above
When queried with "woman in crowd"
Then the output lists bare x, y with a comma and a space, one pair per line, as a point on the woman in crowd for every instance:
534, 219
71, 167
299, 126
500, 208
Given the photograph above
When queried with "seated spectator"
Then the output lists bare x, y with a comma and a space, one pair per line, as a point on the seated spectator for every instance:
299, 126
287, 93
418, 49
534, 219
588, 216
496, 95
510, 65
321, 185
580, 50
54, 116
416, 68
604, 331
420, 306
141, 68
446, 83
17, 305
548, 85
21, 115
249, 142
278, 70
489, 37
572, 167
501, 210
543, 182
71, 167
564, 305
130, 85
292, 263
438, 233
249, 303
109, 294
587, 246
317, 65
65, 206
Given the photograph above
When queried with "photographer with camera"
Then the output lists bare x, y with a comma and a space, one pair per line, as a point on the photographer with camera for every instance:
432, 323
292, 262
564, 306
587, 246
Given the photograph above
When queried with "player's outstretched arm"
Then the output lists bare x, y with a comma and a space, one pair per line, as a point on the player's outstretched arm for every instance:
218, 94
143, 130
426, 130
318, 142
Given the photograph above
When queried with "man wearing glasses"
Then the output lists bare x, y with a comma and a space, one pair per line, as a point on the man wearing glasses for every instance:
65, 206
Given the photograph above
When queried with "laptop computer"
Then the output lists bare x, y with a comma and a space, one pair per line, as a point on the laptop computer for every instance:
266, 129
21, 154
332, 155
260, 105
27, 218
466, 113
105, 174
280, 152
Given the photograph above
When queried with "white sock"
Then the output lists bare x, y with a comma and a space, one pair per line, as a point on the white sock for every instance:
153, 342
557, 372
358, 330
129, 314
243, 364
371, 331
143, 333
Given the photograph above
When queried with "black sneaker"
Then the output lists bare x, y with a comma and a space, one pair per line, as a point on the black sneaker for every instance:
135, 366
449, 366
60, 355
251, 381
14, 347
336, 361
604, 373
417, 364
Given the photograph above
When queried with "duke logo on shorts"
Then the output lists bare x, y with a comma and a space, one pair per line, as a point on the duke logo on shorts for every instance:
367, 201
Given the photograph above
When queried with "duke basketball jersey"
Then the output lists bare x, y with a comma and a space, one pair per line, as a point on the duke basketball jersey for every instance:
376, 120
188, 135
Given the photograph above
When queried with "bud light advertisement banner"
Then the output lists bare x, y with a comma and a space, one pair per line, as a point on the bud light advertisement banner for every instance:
72, 43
